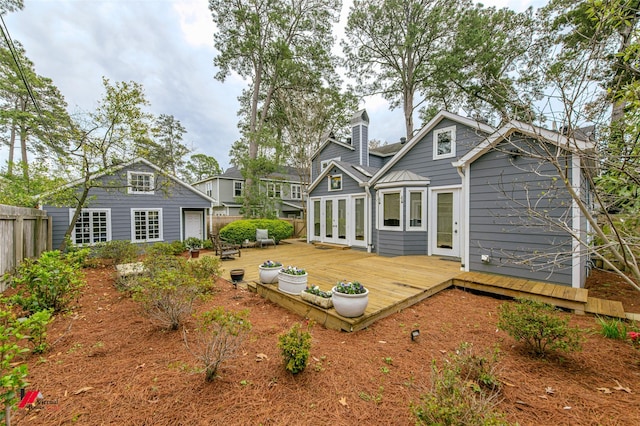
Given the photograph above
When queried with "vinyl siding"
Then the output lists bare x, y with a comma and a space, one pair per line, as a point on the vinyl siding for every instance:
330, 151
170, 198
349, 186
420, 160
518, 243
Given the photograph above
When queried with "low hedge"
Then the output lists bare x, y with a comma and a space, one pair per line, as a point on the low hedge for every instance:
240, 230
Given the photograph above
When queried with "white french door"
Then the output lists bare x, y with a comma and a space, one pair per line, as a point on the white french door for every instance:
340, 220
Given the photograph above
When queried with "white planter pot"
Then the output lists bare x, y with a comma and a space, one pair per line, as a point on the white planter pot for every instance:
350, 305
269, 275
292, 284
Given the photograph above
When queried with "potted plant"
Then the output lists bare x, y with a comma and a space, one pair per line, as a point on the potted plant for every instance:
350, 299
269, 271
292, 280
194, 245
313, 294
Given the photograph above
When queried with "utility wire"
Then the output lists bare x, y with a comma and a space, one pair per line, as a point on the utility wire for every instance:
16, 59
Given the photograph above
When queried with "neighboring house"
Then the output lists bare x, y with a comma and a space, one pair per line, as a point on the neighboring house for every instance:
457, 189
227, 189
135, 201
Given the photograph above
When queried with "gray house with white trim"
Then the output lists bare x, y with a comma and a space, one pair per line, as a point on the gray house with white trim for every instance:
227, 189
454, 190
135, 201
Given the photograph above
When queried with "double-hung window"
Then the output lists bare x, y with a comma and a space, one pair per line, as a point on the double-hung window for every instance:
238, 188
140, 182
274, 190
444, 143
296, 192
92, 226
146, 225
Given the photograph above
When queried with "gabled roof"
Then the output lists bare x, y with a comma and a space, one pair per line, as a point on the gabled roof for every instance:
402, 178
423, 132
233, 173
111, 170
358, 173
329, 140
526, 129
387, 150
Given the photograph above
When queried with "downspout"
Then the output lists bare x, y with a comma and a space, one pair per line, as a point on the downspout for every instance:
576, 249
465, 215
368, 214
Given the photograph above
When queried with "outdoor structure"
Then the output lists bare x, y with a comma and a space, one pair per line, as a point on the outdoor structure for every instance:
135, 201
227, 189
458, 189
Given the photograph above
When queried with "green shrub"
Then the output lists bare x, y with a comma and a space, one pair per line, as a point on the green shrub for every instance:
193, 243
167, 297
119, 251
465, 391
217, 338
295, 346
240, 230
35, 328
12, 375
77, 255
50, 282
538, 326
205, 269
169, 286
161, 248
613, 328
207, 244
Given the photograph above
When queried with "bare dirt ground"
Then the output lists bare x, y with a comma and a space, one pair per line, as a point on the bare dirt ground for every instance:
110, 365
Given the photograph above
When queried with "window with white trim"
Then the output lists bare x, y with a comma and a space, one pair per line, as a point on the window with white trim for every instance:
416, 217
146, 225
238, 188
444, 143
335, 182
140, 182
390, 210
209, 189
274, 190
325, 163
92, 226
296, 191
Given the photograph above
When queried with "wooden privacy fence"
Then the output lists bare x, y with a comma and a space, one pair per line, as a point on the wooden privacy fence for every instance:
24, 233
218, 222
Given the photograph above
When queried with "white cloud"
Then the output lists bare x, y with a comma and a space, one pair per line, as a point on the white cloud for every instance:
195, 21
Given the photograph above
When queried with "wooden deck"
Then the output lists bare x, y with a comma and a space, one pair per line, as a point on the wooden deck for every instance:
394, 283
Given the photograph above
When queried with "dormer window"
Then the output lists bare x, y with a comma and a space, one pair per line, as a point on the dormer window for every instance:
140, 182
444, 143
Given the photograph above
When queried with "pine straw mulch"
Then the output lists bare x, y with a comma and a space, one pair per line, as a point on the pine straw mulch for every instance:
110, 365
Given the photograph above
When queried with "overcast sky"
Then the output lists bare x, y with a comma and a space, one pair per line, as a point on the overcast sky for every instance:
167, 46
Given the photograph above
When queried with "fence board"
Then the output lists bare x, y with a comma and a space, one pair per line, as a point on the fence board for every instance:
24, 233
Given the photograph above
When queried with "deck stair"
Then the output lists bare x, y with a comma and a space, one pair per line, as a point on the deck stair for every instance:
575, 299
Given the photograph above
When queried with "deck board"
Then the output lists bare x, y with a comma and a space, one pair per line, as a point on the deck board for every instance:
394, 283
